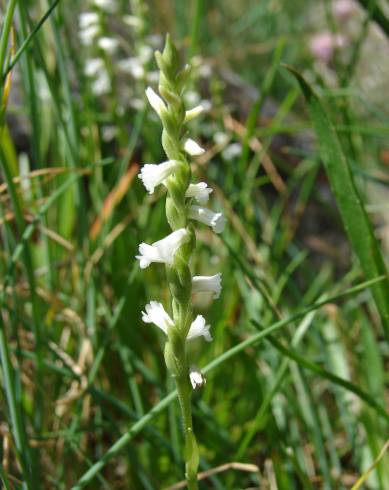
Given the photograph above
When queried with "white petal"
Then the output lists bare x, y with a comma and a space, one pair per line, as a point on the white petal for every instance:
155, 313
207, 284
193, 148
199, 329
164, 250
199, 191
216, 220
155, 101
153, 175
193, 113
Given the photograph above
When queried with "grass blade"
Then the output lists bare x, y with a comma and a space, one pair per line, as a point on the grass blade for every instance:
355, 219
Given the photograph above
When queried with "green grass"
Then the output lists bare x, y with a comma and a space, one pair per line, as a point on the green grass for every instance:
297, 381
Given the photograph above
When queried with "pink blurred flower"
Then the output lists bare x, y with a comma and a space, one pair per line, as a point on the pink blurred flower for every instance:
343, 9
323, 44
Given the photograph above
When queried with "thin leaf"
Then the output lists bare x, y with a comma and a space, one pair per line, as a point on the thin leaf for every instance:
355, 219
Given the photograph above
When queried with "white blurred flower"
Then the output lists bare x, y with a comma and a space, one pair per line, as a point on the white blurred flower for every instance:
138, 104
192, 97
133, 66
102, 84
155, 101
207, 284
199, 328
93, 66
196, 377
108, 44
232, 151
155, 40
88, 35
199, 191
164, 250
193, 113
153, 175
145, 53
343, 10
220, 138
88, 19
216, 220
133, 21
323, 44
204, 70
193, 148
107, 5
109, 133
206, 104
155, 313
152, 76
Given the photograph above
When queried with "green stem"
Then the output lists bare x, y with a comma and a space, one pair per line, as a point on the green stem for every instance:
191, 449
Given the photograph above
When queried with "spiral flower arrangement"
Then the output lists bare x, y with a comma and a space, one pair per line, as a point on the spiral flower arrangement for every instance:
184, 205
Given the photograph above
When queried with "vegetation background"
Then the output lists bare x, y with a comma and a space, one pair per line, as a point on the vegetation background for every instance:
296, 394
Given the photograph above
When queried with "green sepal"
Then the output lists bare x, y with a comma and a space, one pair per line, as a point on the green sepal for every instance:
172, 361
183, 77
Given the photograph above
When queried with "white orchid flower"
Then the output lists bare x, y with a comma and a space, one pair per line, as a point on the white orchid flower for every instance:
199, 191
153, 175
216, 220
207, 284
164, 250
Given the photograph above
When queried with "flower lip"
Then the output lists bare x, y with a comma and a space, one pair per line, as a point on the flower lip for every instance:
162, 251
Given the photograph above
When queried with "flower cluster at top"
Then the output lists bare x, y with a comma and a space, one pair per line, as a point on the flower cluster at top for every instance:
185, 204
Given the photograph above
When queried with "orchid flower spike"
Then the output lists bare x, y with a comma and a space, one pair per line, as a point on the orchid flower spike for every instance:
153, 175
216, 220
155, 313
193, 148
207, 284
199, 191
164, 250
155, 101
